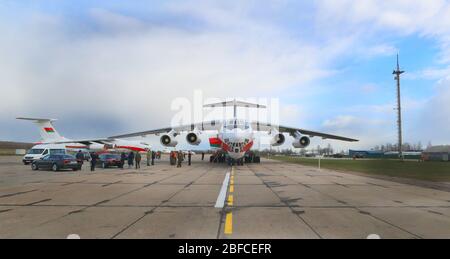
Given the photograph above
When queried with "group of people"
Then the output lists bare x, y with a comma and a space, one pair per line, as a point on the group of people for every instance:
177, 157
132, 159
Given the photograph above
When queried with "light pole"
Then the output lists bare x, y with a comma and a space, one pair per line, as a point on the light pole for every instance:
397, 74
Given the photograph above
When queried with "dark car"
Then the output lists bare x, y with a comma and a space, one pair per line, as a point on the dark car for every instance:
57, 162
109, 160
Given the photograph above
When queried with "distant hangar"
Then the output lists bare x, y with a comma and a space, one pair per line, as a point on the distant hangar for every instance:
437, 153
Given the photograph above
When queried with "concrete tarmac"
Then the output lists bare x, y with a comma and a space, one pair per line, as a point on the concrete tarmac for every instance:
267, 200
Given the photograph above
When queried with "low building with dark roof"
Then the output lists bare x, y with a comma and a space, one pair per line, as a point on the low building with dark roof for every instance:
437, 153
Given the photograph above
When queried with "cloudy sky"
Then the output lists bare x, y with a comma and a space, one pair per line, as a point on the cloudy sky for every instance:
109, 67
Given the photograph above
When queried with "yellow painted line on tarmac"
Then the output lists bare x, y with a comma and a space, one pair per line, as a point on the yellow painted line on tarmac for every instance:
229, 224
229, 217
230, 200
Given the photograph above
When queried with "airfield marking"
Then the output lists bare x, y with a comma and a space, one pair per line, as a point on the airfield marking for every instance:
228, 230
223, 192
229, 224
230, 200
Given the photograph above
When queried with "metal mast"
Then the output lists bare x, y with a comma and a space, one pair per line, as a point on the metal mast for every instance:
397, 74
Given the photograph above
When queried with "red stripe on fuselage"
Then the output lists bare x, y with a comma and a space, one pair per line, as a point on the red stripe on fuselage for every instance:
218, 141
132, 148
248, 146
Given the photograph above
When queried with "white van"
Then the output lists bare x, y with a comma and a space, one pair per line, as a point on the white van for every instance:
39, 151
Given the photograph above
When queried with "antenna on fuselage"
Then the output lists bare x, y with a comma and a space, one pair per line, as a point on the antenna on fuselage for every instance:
235, 104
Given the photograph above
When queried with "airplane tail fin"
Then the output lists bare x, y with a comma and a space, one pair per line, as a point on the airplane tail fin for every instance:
46, 129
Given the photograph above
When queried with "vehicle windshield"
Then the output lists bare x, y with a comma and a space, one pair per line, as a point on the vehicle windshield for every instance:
35, 151
111, 156
57, 151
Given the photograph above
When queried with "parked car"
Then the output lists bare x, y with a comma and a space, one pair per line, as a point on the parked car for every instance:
56, 162
108, 160
40, 151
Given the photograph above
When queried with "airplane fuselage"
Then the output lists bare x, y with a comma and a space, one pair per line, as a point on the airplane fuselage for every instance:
235, 138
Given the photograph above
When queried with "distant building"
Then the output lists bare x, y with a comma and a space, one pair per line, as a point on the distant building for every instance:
382, 155
365, 154
14, 148
437, 153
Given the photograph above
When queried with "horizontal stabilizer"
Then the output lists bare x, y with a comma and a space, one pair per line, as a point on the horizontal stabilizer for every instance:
36, 119
234, 103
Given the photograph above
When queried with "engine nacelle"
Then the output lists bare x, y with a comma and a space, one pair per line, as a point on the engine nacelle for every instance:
193, 139
278, 140
301, 142
168, 140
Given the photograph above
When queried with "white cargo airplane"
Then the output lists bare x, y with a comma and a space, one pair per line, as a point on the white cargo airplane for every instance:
50, 136
234, 137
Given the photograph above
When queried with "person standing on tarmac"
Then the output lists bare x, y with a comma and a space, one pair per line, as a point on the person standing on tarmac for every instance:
173, 157
189, 158
130, 159
94, 158
80, 157
180, 158
203, 156
153, 157
123, 157
138, 160
149, 156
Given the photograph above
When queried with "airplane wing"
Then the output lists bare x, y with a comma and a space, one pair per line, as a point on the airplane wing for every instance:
258, 126
84, 141
202, 126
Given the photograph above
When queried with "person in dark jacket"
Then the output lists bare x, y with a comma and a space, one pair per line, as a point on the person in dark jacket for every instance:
94, 158
80, 157
123, 157
203, 156
189, 158
149, 157
180, 158
138, 158
153, 157
130, 159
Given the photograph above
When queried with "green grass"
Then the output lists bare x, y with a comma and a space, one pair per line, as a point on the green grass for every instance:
428, 171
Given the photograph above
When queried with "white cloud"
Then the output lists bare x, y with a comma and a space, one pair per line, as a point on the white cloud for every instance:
365, 18
343, 121
430, 74
130, 71
382, 50
122, 67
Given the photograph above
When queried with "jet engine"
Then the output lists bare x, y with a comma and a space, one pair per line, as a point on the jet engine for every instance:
277, 140
193, 138
168, 140
301, 141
